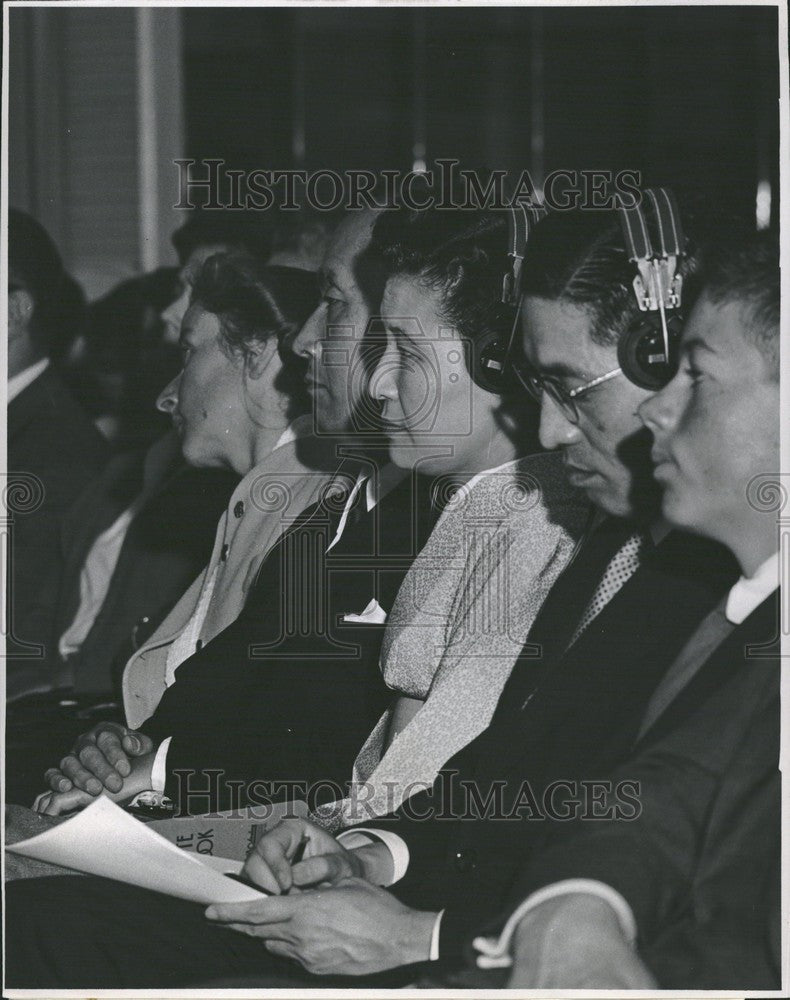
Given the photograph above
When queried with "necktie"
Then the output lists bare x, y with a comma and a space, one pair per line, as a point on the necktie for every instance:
713, 630
621, 568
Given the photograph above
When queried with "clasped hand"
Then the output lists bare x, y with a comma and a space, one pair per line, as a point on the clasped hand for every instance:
109, 759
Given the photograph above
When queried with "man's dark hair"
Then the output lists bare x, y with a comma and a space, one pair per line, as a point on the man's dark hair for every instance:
236, 230
748, 273
34, 264
255, 303
461, 254
580, 258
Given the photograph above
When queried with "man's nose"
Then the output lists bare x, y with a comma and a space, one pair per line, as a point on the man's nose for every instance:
556, 430
305, 343
659, 413
167, 400
383, 381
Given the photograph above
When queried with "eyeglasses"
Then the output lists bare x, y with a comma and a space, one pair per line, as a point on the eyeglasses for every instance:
566, 399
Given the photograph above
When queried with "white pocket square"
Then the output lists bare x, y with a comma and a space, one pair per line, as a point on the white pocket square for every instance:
373, 614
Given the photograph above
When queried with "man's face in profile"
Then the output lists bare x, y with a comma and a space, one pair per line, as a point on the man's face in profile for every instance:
331, 339
606, 449
716, 425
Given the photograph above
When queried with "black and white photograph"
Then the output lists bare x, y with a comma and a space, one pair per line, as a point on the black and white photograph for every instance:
395, 513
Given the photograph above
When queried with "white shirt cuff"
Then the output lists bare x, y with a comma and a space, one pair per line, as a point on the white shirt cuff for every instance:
359, 837
494, 953
159, 767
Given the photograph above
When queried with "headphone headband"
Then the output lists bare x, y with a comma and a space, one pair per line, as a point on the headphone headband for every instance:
521, 219
655, 251
489, 367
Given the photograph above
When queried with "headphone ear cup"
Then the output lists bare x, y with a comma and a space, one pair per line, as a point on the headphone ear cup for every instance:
640, 351
488, 367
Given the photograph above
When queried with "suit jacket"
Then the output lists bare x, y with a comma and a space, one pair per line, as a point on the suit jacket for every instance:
700, 864
167, 543
261, 507
53, 440
561, 717
287, 693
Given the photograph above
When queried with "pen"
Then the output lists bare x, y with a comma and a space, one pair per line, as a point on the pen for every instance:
300, 849
298, 855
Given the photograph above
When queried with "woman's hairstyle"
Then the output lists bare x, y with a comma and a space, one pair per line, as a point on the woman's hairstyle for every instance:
255, 303
579, 258
461, 254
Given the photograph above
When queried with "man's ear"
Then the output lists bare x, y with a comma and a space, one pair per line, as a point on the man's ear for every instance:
20, 312
260, 356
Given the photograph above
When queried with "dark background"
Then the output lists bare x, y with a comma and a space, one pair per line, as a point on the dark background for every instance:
684, 95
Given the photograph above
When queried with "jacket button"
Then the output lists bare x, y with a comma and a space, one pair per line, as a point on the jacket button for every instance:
238, 510
224, 552
465, 861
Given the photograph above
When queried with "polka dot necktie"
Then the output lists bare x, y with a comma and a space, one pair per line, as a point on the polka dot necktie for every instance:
621, 568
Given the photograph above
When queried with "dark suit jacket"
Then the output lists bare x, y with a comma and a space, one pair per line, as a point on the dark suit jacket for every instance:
167, 544
49, 437
700, 865
287, 692
560, 718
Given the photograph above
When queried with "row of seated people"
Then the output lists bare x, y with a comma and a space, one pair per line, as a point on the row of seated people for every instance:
531, 695
103, 558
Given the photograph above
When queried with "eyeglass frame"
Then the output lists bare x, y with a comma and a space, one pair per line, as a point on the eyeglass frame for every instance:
536, 384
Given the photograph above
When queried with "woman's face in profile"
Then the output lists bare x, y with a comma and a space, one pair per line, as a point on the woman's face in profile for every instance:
434, 415
206, 400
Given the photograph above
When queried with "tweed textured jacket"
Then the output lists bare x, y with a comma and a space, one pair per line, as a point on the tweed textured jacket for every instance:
460, 621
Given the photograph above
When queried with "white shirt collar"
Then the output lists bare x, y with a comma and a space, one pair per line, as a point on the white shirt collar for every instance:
23, 379
750, 592
298, 428
376, 488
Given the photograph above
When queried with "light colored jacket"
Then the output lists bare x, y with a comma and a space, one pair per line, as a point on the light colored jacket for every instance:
266, 502
459, 622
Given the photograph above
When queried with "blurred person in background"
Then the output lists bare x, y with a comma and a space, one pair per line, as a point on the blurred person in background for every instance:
118, 364
298, 238
53, 449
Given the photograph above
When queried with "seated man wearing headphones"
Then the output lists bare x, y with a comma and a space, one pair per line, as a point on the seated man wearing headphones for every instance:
693, 880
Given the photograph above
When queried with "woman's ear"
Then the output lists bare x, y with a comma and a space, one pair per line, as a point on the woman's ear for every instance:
260, 357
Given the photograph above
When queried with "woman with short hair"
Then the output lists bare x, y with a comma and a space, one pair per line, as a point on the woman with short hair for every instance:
508, 525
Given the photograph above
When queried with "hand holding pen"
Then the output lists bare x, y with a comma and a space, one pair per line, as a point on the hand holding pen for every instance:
296, 853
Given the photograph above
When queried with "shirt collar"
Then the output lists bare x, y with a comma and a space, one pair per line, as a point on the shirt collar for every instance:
298, 428
19, 382
750, 592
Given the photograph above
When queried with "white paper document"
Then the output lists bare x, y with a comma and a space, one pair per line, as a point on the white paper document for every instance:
104, 840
